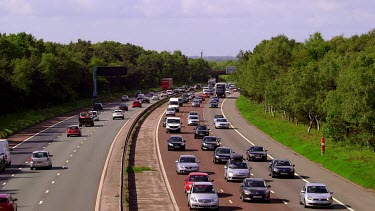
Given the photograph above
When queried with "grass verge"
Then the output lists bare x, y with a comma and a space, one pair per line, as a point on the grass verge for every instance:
138, 169
354, 163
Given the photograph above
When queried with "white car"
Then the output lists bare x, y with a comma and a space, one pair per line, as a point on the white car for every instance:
155, 97
170, 112
95, 115
193, 113
187, 164
227, 91
163, 94
316, 195
118, 114
193, 120
173, 124
169, 92
203, 195
124, 98
40, 159
221, 123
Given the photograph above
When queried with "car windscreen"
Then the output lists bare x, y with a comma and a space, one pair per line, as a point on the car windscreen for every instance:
173, 103
221, 120
173, 121
202, 128
282, 163
199, 178
317, 189
203, 189
175, 139
187, 160
224, 151
238, 165
209, 139
73, 127
252, 183
256, 149
170, 109
193, 117
219, 116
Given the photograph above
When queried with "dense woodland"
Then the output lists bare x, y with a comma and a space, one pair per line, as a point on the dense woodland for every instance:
328, 85
36, 74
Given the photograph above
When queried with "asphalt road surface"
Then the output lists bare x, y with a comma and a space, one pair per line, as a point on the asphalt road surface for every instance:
78, 162
284, 192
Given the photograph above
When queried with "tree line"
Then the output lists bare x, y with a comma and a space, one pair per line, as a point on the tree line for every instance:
328, 85
35, 73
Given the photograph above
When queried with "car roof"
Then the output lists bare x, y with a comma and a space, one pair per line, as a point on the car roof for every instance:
40, 151
175, 136
187, 156
193, 115
219, 115
315, 184
210, 137
198, 173
174, 118
73, 125
203, 183
255, 179
282, 159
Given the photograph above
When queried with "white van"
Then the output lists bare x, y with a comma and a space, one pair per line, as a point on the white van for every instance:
173, 103
4, 149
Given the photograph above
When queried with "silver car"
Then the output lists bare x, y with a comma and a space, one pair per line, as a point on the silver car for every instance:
170, 111
193, 120
203, 195
315, 195
236, 170
196, 103
221, 123
40, 159
187, 164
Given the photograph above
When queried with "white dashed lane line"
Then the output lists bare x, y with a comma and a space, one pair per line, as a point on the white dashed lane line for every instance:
47, 191
41, 202
4, 183
230, 201
53, 182
58, 174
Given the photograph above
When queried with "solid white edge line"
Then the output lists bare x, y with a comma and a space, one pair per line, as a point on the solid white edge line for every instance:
104, 172
166, 181
43, 131
336, 200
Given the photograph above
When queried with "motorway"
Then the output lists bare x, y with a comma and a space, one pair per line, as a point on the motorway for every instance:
285, 192
72, 183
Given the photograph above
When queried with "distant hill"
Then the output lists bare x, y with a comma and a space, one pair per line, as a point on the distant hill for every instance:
216, 58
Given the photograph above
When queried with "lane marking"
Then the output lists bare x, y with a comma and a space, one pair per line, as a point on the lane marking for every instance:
13, 175
58, 174
272, 191
166, 181
71, 155
67, 161
75, 150
47, 191
104, 172
284, 202
222, 190
230, 201
40, 202
336, 200
53, 182
4, 183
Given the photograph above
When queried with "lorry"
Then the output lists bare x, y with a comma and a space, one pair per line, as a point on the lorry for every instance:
86, 118
211, 82
166, 83
220, 89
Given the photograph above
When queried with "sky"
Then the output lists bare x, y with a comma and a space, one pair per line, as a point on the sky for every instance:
214, 27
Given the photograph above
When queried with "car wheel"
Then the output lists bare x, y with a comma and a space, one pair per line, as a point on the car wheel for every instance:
79, 135
113, 118
169, 149
272, 175
184, 149
304, 203
242, 198
67, 135
195, 137
50, 167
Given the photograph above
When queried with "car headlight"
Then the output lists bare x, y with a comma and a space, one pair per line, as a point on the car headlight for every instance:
329, 198
182, 144
310, 198
215, 198
246, 191
252, 155
193, 199
275, 169
204, 144
217, 156
169, 144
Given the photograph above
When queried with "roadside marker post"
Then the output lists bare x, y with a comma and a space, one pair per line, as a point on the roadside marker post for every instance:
323, 146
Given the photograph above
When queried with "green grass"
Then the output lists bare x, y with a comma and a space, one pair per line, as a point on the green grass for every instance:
137, 169
354, 163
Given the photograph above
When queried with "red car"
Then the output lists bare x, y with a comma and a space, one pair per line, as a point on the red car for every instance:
206, 95
136, 103
195, 177
203, 97
7, 202
73, 130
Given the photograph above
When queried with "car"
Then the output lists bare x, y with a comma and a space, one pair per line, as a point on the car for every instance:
203, 195
199, 98
7, 202
118, 114
137, 93
140, 96
124, 98
203, 97
193, 120
236, 169
227, 91
213, 104
176, 142
163, 94
184, 99
201, 131
165, 122
40, 159
215, 99
221, 123
197, 86
195, 177
170, 112
196, 103
86, 118
123, 106
136, 103
169, 93
256, 153
73, 130
95, 115
143, 99
97, 106
221, 154
254, 189
173, 124
193, 113
155, 97
281, 167
150, 94
187, 164
218, 116
210, 143
315, 195
180, 102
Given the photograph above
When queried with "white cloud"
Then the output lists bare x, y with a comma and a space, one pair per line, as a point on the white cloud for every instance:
16, 7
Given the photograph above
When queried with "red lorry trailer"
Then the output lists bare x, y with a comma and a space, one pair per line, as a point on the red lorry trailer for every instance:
166, 83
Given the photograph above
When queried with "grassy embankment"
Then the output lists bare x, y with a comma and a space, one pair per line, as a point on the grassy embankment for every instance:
354, 163
15, 122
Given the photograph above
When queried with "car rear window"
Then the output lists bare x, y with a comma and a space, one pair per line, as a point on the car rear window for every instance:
40, 154
73, 127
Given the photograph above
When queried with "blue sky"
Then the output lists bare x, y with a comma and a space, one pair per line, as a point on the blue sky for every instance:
216, 27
